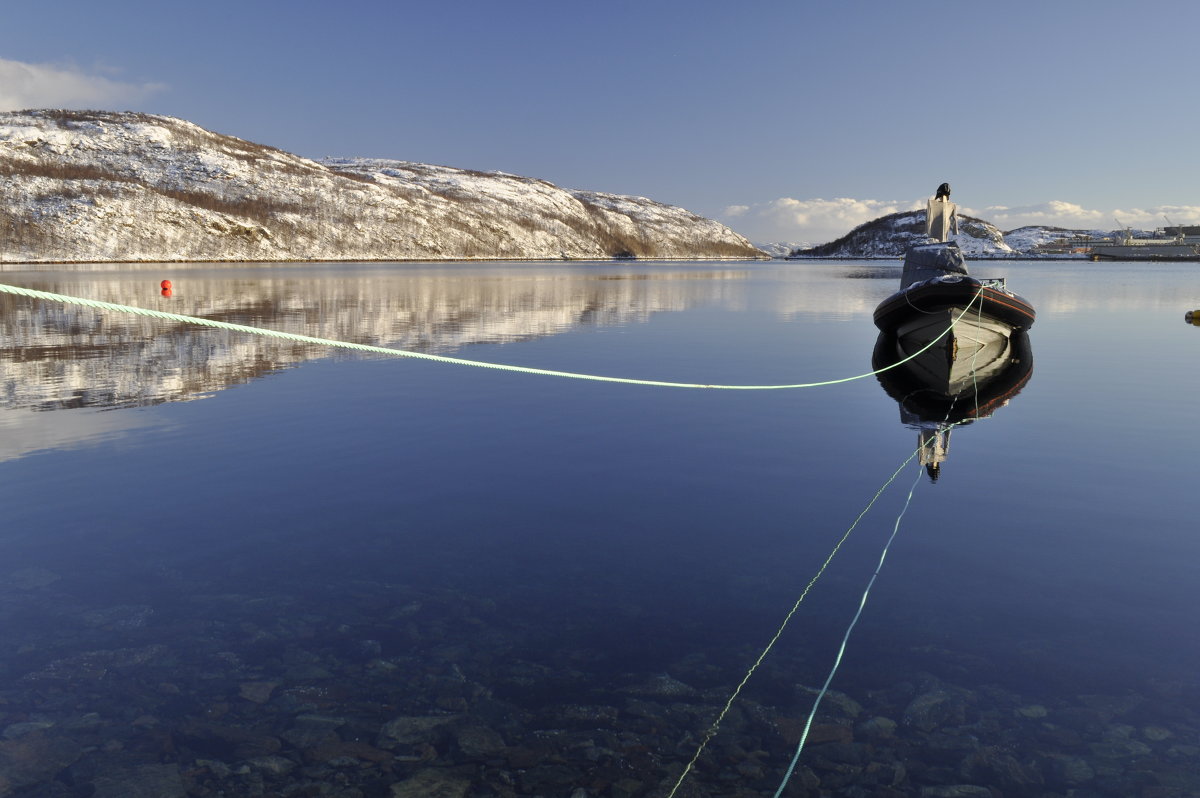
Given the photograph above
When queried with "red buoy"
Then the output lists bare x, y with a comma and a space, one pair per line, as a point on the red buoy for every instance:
167, 292
165, 285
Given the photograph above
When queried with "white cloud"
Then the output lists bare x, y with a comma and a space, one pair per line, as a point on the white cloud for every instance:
1055, 212
1068, 214
818, 221
812, 220
64, 86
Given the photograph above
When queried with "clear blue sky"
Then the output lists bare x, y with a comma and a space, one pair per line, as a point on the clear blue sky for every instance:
771, 106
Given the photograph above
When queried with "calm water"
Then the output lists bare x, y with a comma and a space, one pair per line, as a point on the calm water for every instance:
234, 566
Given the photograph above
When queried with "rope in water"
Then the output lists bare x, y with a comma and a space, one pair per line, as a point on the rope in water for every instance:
837, 661
716, 724
381, 350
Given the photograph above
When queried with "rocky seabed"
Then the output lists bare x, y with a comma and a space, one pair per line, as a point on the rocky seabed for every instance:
423, 694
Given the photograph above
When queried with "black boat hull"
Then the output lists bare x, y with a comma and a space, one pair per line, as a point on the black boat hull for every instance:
933, 296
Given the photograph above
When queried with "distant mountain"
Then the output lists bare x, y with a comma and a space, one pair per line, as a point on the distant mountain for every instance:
781, 249
1032, 241
103, 186
889, 237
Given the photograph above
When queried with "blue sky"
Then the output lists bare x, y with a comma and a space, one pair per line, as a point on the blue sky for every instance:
786, 120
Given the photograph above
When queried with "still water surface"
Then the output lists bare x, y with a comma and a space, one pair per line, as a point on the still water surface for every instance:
231, 565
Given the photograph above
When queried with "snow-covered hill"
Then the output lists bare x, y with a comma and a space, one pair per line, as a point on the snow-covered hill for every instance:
104, 186
781, 249
1046, 241
889, 236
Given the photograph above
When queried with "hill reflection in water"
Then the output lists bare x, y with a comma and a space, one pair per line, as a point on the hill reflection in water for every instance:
62, 357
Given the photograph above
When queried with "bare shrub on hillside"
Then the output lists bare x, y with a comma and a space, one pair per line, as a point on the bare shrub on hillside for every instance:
455, 194
60, 170
358, 176
62, 115
613, 241
258, 209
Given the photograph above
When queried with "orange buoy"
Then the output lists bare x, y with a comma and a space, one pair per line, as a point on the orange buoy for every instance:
167, 292
165, 285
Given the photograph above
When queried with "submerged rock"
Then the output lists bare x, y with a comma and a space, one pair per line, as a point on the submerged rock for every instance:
34, 758
433, 783
1071, 771
1111, 706
258, 692
478, 742
877, 728
1032, 711
272, 765
415, 729
990, 765
120, 617
661, 686
936, 708
148, 781
956, 791
16, 730
1156, 733
833, 702
1120, 748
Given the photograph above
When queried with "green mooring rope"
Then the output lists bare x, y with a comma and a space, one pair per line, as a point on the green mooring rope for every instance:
457, 361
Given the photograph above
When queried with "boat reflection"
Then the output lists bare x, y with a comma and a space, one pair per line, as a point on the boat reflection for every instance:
939, 390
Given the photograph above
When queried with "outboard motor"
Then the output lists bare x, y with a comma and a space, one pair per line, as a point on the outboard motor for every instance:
926, 261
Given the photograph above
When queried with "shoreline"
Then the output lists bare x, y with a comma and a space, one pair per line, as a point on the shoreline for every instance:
972, 259
84, 262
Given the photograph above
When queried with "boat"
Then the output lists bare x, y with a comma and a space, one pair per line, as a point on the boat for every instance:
942, 306
1184, 244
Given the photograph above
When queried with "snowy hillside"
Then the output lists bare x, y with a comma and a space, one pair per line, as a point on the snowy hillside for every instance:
889, 236
781, 249
101, 186
1035, 240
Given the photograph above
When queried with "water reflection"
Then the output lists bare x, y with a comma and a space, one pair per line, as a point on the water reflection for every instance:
65, 357
939, 390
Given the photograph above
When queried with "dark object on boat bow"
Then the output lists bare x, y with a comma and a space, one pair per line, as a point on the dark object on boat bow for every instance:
948, 295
